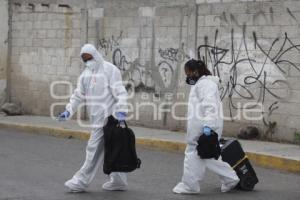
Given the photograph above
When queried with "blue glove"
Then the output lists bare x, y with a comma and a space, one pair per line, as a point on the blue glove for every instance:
206, 130
121, 116
63, 116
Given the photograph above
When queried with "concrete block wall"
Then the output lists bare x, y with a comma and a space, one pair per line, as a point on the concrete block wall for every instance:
3, 50
253, 46
46, 40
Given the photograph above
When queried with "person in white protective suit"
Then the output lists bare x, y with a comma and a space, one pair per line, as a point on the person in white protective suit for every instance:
100, 85
205, 113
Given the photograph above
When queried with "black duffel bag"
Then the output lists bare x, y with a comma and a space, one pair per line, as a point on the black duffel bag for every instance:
119, 148
208, 146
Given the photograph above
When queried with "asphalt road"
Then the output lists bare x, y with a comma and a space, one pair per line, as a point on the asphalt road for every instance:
34, 167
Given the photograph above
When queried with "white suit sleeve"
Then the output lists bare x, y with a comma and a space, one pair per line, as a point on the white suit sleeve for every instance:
76, 98
209, 104
119, 92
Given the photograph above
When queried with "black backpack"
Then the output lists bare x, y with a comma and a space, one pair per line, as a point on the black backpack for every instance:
119, 148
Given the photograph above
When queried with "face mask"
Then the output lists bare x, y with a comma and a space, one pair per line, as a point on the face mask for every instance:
191, 80
91, 64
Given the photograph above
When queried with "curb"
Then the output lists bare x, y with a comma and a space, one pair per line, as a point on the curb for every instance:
262, 160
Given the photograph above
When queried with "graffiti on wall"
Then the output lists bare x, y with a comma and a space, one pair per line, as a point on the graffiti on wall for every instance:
252, 68
260, 17
241, 61
109, 44
170, 59
142, 76
173, 54
134, 72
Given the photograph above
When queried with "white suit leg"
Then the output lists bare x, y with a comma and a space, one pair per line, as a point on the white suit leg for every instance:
93, 160
193, 172
223, 169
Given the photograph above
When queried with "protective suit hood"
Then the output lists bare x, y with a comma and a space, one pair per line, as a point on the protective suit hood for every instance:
215, 79
91, 49
100, 85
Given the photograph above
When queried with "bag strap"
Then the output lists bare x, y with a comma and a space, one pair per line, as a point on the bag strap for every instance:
125, 124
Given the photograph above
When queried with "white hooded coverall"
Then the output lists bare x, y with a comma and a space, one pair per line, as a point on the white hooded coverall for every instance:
102, 88
204, 109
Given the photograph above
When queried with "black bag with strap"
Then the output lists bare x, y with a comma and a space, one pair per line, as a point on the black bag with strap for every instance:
208, 146
119, 148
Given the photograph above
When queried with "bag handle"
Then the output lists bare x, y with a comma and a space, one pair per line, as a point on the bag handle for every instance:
119, 124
